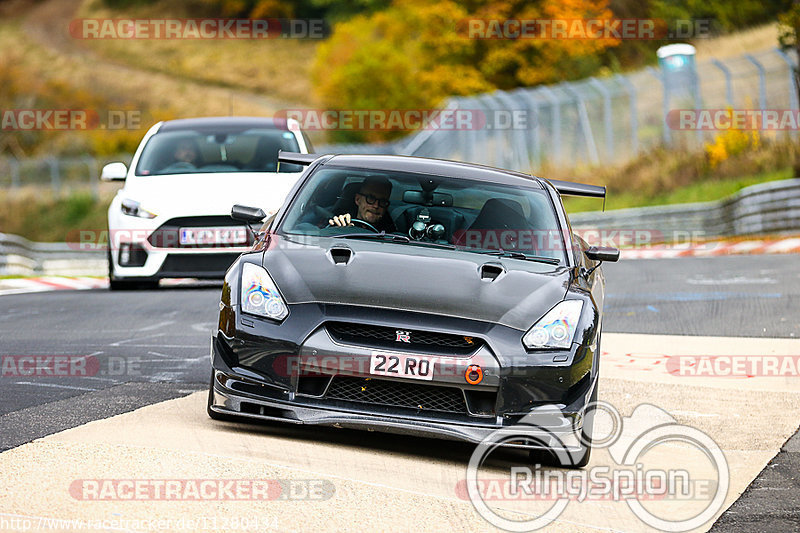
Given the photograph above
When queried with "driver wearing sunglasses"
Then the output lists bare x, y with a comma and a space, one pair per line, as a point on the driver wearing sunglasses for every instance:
372, 202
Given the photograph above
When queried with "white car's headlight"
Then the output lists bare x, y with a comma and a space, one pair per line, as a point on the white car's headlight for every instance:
260, 296
132, 208
556, 328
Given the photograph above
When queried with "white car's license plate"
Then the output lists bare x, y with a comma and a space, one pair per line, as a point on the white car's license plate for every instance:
212, 236
401, 365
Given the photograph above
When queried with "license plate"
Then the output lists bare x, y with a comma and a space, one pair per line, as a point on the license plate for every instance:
212, 236
401, 365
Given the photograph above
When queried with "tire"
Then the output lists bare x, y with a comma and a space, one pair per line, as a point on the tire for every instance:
113, 284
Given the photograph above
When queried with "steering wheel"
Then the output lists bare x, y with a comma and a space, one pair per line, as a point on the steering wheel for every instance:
363, 224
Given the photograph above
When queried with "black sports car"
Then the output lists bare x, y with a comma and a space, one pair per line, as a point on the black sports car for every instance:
412, 295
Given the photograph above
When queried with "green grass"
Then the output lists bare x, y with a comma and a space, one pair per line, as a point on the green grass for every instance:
703, 191
48, 218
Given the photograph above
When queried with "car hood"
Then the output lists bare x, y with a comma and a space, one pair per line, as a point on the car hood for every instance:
209, 194
414, 278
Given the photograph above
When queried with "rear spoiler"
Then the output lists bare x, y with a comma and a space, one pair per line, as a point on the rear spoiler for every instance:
569, 188
563, 187
296, 158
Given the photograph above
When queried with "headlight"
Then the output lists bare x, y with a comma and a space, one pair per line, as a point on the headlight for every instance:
132, 208
260, 296
556, 328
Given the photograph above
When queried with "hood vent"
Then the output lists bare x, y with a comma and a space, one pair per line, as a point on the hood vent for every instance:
341, 256
491, 272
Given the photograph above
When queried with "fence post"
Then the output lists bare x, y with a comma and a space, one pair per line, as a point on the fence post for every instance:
536, 139
586, 126
489, 132
519, 148
665, 133
422, 136
555, 121
728, 81
94, 176
607, 124
793, 98
467, 137
14, 164
55, 176
762, 86
698, 103
631, 90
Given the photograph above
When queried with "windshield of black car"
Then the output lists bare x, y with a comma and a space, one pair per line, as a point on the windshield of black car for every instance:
475, 216
193, 152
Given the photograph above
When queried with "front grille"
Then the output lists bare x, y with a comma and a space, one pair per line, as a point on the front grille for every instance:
386, 337
168, 234
397, 394
197, 265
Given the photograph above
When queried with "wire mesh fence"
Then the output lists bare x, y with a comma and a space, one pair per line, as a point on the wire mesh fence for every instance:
594, 121
606, 120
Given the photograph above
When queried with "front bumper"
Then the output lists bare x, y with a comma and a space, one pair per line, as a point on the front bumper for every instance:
160, 264
561, 432
253, 380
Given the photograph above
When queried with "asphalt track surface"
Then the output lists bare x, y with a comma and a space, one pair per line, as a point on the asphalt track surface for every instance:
153, 346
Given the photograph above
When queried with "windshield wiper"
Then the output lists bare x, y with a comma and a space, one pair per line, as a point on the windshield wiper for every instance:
394, 237
518, 255
382, 236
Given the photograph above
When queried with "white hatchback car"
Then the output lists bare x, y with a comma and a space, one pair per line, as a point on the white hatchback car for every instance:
172, 218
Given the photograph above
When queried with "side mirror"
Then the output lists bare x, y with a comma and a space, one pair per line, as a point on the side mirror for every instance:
602, 253
251, 215
114, 172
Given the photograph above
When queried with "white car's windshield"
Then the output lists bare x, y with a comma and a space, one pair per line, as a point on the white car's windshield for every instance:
224, 150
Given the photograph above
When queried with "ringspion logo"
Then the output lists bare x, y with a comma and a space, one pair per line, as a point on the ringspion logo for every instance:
631, 479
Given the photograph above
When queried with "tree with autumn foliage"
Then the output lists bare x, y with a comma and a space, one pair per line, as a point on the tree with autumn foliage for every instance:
416, 53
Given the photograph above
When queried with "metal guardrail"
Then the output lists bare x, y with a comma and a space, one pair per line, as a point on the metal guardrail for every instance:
21, 257
766, 208
57, 173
